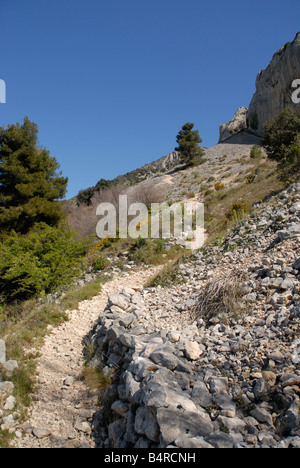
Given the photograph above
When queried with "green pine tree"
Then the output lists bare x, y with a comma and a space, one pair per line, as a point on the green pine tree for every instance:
30, 186
188, 144
280, 133
282, 143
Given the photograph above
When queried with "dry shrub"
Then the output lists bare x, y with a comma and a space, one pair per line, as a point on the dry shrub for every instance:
219, 186
221, 297
146, 193
109, 195
83, 220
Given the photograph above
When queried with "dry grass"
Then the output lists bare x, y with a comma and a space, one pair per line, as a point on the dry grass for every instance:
218, 204
75, 295
24, 329
168, 276
221, 297
95, 379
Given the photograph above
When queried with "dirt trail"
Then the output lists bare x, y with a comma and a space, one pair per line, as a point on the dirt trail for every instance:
62, 408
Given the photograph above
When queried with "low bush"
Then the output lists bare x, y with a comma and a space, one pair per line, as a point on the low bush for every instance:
38, 262
237, 209
251, 177
256, 152
153, 251
219, 186
99, 263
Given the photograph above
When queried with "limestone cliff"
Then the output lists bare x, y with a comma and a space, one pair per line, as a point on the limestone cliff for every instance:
274, 86
237, 124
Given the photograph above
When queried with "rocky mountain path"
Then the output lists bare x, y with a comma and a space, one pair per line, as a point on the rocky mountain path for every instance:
60, 416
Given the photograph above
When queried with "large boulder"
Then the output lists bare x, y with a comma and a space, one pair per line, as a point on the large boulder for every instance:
175, 423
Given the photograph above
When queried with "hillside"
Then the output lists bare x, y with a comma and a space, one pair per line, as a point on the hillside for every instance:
164, 164
227, 174
236, 146
141, 343
224, 162
211, 361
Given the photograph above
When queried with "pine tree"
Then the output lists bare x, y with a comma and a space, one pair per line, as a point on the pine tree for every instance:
188, 144
281, 132
30, 186
282, 143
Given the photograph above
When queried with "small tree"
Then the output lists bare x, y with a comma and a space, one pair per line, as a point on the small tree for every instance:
188, 144
290, 166
256, 152
282, 141
29, 184
281, 132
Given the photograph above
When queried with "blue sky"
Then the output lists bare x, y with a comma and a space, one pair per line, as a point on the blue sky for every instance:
110, 83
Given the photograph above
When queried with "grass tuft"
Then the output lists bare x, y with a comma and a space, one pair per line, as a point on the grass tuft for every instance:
221, 297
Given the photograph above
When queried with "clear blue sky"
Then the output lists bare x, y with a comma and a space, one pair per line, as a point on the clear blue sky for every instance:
110, 83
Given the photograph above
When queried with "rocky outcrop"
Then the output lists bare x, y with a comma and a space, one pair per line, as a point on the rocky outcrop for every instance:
211, 380
166, 163
274, 92
236, 125
274, 86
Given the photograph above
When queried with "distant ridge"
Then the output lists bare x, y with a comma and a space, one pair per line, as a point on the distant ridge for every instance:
164, 164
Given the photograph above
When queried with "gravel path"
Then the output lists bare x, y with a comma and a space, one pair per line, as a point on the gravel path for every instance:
63, 407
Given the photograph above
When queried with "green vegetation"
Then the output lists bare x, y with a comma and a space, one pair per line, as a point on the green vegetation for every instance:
192, 154
30, 185
38, 251
85, 196
282, 142
256, 152
40, 254
219, 186
25, 325
238, 209
153, 252
74, 295
39, 262
168, 276
188, 145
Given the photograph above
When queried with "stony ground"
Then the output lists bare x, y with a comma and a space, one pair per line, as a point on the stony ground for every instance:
186, 374
224, 162
215, 361
63, 406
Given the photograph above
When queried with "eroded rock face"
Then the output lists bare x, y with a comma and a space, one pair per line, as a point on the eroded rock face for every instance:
274, 86
237, 124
